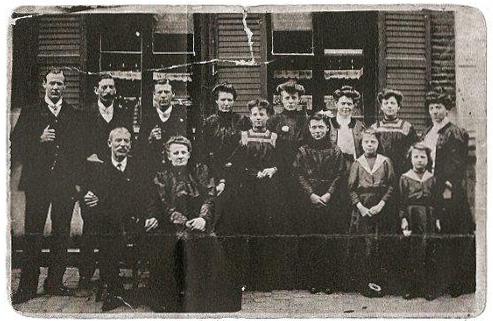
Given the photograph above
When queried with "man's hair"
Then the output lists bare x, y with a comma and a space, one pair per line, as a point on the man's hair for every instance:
118, 129
104, 76
163, 82
182, 140
54, 71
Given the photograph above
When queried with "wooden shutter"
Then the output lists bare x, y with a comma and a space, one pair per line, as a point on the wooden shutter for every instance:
406, 62
233, 45
59, 45
443, 50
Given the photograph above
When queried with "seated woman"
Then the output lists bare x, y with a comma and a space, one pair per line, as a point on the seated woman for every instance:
188, 274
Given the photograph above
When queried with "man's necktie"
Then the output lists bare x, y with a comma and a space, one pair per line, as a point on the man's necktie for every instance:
119, 166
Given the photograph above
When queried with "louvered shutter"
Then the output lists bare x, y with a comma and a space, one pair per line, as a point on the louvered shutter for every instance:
443, 50
59, 46
233, 45
406, 62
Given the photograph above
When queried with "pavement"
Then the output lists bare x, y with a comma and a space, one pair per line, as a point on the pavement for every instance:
275, 304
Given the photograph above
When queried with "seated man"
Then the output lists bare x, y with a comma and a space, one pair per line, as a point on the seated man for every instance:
115, 192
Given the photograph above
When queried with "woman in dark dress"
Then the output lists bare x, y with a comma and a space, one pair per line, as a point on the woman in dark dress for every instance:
189, 272
396, 135
449, 148
319, 168
220, 137
262, 215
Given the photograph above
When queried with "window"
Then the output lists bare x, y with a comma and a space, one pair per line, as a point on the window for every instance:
292, 33
173, 34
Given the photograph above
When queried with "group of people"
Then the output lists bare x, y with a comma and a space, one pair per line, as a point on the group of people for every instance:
259, 202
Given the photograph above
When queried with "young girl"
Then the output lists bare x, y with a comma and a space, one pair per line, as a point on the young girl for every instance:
256, 163
319, 167
370, 185
419, 218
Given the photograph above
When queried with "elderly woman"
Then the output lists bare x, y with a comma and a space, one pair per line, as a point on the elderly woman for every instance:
184, 204
449, 148
396, 135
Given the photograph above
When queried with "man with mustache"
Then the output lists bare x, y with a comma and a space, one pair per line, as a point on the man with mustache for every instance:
103, 116
159, 123
48, 139
116, 193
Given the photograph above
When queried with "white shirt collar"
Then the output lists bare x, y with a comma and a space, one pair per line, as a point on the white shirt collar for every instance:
123, 162
164, 115
440, 125
412, 175
364, 163
342, 121
106, 112
54, 108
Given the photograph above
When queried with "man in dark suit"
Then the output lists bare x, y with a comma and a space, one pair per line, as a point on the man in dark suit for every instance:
49, 141
116, 196
159, 123
103, 116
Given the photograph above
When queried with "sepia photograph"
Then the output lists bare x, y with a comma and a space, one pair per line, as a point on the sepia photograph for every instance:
204, 161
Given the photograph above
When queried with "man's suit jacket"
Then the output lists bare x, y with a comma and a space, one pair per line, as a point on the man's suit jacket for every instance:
122, 195
58, 162
99, 129
150, 152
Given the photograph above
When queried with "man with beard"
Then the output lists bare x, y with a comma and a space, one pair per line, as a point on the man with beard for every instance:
103, 116
159, 123
48, 139
116, 194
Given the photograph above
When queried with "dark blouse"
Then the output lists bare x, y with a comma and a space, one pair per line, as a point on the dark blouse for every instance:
183, 193
290, 128
396, 137
221, 134
257, 152
319, 167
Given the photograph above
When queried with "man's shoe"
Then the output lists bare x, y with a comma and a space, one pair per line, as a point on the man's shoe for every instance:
431, 296
328, 290
85, 288
58, 290
112, 302
22, 296
315, 290
409, 295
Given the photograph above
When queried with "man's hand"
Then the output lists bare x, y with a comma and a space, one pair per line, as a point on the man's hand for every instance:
196, 224
90, 199
269, 172
48, 135
94, 159
151, 223
326, 198
404, 224
317, 200
439, 227
220, 188
155, 134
